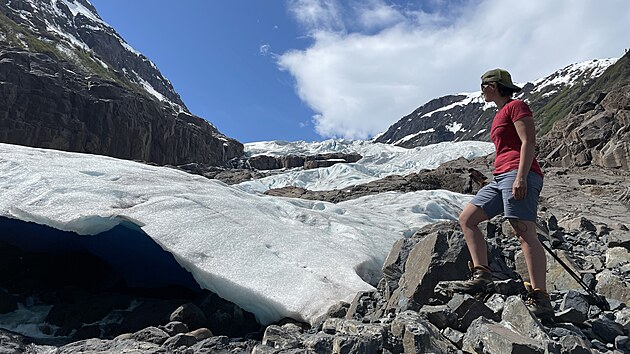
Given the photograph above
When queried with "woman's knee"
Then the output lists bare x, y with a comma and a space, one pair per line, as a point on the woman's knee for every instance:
471, 216
525, 230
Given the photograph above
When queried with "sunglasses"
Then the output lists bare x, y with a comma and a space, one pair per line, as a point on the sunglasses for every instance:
486, 85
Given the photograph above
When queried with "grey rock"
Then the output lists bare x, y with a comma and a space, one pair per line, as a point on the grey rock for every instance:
622, 343
263, 162
622, 317
616, 257
320, 343
496, 303
518, 316
441, 315
467, 309
362, 303
509, 287
418, 335
353, 344
571, 315
557, 276
394, 265
607, 329
227, 318
223, 345
11, 343
456, 337
566, 329
357, 328
285, 337
150, 334
201, 333
174, 327
349, 336
330, 325
179, 340
486, 336
148, 313
338, 310
575, 345
190, 314
437, 256
575, 300
577, 224
95, 345
611, 286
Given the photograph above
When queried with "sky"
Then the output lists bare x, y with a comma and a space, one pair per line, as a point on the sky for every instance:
275, 257
316, 69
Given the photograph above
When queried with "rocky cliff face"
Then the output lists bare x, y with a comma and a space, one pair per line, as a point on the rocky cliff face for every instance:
70, 82
467, 116
597, 131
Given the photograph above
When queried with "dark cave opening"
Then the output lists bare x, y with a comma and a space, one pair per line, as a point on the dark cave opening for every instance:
119, 281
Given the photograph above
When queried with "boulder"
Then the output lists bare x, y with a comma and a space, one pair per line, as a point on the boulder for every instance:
441, 255
149, 334
611, 286
486, 336
416, 335
189, 314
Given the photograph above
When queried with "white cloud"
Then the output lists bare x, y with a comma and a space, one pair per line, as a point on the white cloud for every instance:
359, 83
317, 15
377, 15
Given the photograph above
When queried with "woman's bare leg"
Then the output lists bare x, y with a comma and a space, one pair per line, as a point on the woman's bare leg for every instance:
533, 251
469, 220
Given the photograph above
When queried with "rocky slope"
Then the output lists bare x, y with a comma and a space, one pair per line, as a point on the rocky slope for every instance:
70, 82
597, 130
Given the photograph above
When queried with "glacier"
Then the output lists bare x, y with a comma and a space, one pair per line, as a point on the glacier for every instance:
275, 257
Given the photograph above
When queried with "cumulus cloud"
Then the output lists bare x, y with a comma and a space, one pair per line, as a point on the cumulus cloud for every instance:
318, 15
378, 15
360, 81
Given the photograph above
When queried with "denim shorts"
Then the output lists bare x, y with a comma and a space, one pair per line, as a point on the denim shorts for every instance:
496, 197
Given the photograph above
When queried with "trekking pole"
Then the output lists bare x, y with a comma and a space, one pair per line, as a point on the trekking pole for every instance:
543, 235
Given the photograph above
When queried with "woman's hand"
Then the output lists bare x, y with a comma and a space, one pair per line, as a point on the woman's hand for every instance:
519, 188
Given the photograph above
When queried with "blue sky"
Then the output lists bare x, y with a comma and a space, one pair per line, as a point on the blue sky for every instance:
315, 69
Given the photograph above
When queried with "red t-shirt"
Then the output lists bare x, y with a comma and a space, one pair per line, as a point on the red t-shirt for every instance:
505, 138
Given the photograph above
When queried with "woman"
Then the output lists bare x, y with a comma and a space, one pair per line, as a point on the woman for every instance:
514, 191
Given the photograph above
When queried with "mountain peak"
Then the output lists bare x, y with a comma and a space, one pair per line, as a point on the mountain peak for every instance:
466, 116
73, 31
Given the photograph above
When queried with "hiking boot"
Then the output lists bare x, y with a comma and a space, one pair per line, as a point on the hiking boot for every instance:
538, 303
480, 281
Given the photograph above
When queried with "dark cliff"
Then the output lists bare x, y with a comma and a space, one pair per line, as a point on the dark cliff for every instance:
69, 82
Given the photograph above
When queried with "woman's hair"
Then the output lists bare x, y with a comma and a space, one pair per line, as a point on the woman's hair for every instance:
504, 91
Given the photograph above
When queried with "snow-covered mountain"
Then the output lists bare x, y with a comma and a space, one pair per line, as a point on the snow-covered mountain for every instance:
466, 116
72, 83
74, 26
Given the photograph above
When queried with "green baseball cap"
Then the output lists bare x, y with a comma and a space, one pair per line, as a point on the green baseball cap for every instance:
501, 76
